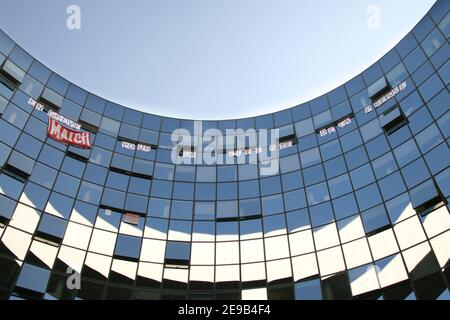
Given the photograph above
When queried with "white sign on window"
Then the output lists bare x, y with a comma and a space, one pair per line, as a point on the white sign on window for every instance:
139, 147
392, 93
54, 115
332, 129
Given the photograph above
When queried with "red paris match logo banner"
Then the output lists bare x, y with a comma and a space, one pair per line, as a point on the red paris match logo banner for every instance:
62, 134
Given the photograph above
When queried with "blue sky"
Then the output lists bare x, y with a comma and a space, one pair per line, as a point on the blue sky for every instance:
210, 59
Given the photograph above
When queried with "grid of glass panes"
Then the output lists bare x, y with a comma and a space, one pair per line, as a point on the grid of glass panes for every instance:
337, 221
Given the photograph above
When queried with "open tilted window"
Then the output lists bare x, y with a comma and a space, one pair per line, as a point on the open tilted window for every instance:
11, 75
392, 120
51, 100
377, 89
51, 230
426, 198
177, 254
16, 173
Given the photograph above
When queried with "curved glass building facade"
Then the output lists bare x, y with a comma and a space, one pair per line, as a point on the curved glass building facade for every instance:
348, 201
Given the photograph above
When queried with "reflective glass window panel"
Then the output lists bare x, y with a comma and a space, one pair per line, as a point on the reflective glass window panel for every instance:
308, 290
180, 230
15, 116
178, 250
384, 165
429, 138
109, 126
431, 87
52, 225
204, 211
227, 173
35, 196
100, 156
298, 220
335, 167
301, 112
355, 85
164, 171
272, 204
291, 181
368, 196
163, 189
248, 189
374, 219
322, 119
67, 184
31, 87
304, 127
391, 186
248, 171
205, 191
227, 231
156, 228
345, 206
314, 174
307, 142
415, 172
117, 181
10, 187
351, 140
84, 213
310, 157
206, 174
43, 175
250, 229
6, 207
33, 278
227, 191
321, 214
438, 158
95, 174
181, 210
250, 207
294, 199
317, 193
330, 150
438, 105
58, 84
203, 231
340, 185
128, 246
356, 157
227, 209
185, 173
73, 167
289, 163
39, 71
135, 203
362, 176
270, 185
336, 287
8, 133
113, 198
139, 186
122, 162
159, 208
59, 205
406, 152
90, 192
